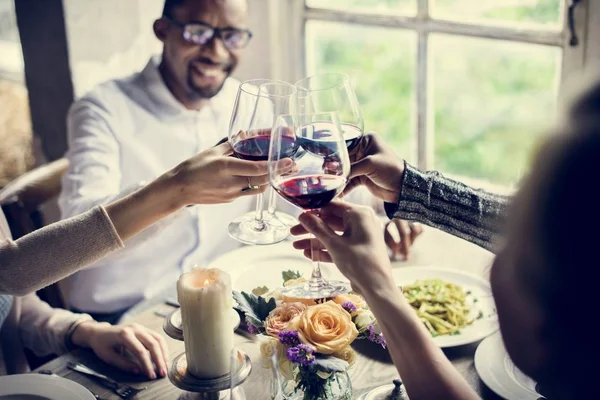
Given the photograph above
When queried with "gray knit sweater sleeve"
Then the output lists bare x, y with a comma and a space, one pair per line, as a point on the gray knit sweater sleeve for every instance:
55, 251
471, 214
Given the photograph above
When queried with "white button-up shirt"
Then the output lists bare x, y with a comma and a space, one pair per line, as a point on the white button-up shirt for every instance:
126, 132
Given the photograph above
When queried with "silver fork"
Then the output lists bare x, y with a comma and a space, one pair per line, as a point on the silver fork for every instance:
124, 391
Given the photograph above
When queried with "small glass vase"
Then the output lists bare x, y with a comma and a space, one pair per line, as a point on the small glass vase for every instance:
337, 387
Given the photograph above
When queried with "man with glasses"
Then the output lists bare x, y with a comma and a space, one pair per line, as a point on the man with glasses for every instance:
128, 131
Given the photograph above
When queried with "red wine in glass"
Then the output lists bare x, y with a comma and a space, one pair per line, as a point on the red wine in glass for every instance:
316, 138
311, 191
256, 148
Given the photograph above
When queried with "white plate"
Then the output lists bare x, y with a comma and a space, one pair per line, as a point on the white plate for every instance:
251, 267
480, 290
497, 371
254, 266
41, 387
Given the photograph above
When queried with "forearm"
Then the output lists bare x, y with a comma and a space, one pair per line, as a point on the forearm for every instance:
55, 251
424, 368
471, 214
139, 210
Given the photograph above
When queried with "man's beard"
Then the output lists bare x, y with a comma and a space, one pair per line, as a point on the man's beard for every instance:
196, 92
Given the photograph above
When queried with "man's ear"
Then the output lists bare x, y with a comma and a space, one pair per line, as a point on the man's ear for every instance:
161, 27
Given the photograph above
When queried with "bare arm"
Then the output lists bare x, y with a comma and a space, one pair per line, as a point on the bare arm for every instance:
424, 368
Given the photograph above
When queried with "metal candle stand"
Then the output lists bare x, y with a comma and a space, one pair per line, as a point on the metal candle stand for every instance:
204, 389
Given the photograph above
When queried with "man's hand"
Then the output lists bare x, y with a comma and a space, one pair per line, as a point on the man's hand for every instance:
400, 235
376, 167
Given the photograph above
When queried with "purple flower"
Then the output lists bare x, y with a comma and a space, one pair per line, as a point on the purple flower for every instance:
375, 337
289, 338
349, 306
252, 329
301, 354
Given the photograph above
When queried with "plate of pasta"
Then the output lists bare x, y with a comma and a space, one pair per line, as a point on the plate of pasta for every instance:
456, 307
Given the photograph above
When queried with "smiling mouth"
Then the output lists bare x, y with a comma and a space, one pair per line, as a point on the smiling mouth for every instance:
208, 70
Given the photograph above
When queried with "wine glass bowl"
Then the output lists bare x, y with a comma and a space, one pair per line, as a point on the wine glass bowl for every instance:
258, 103
332, 92
317, 177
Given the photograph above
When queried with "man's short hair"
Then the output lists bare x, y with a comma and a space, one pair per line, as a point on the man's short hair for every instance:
169, 6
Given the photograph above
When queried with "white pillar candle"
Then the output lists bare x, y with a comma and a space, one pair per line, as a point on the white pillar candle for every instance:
206, 301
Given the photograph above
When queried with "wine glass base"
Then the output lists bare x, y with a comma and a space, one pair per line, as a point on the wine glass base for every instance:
329, 290
282, 217
243, 229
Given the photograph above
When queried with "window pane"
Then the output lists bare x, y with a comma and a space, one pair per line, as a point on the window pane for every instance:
543, 13
16, 155
368, 6
381, 63
493, 99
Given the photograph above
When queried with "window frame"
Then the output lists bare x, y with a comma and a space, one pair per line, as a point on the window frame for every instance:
289, 51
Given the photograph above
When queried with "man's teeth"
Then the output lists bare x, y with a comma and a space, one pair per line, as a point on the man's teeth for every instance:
210, 72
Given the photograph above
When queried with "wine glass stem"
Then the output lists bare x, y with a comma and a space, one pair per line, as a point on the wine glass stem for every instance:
259, 224
316, 281
272, 199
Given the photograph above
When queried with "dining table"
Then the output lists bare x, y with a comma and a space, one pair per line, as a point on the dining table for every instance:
373, 367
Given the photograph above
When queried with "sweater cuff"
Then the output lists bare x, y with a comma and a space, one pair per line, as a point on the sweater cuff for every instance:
68, 342
110, 228
413, 183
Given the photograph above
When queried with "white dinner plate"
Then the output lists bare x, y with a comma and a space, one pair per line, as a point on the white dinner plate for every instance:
497, 371
41, 387
480, 290
255, 266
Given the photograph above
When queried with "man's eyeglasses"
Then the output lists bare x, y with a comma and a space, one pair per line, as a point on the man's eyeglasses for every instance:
200, 34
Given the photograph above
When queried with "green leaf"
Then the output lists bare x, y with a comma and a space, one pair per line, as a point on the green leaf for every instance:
289, 275
330, 364
260, 290
254, 307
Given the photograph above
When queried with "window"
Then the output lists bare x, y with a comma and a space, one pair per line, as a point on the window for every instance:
462, 86
11, 62
16, 153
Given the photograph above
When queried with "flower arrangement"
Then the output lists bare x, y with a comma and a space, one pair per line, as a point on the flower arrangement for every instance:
309, 340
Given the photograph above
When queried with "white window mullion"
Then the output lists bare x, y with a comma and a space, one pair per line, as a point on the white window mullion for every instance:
424, 132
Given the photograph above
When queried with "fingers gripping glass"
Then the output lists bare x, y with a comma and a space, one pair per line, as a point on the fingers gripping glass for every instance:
200, 34
320, 173
259, 102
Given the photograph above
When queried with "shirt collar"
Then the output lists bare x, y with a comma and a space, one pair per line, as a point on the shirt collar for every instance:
160, 93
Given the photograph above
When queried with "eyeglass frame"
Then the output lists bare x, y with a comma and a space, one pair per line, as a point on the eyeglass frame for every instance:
217, 32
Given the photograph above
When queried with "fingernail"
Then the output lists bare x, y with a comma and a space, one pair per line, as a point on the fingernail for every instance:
152, 375
288, 162
163, 372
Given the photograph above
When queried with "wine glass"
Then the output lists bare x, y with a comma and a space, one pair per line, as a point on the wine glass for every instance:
319, 174
257, 105
257, 357
332, 92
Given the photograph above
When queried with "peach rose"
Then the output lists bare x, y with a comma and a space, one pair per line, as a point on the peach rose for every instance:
327, 327
355, 299
279, 318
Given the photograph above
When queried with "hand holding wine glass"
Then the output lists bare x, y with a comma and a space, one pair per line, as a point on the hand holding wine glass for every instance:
318, 176
359, 252
257, 105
